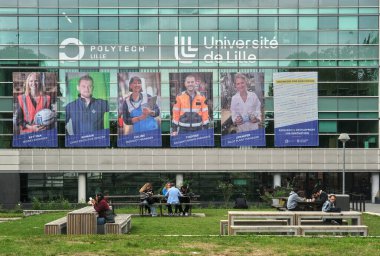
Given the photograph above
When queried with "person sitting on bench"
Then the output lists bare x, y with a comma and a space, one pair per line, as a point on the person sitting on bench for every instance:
293, 199
329, 206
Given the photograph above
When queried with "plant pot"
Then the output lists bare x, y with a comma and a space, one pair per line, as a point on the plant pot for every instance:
275, 201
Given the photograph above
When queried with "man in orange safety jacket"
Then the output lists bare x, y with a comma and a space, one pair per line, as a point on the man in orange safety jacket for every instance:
190, 111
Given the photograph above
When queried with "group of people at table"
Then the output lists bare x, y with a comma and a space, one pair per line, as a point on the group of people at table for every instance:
171, 194
320, 200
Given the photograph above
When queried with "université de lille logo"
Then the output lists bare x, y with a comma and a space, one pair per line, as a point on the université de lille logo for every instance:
184, 51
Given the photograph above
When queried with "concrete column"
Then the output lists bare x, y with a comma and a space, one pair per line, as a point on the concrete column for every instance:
375, 177
276, 180
179, 180
82, 188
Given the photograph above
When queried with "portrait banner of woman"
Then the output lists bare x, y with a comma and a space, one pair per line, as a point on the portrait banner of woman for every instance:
34, 109
87, 109
139, 121
191, 105
242, 109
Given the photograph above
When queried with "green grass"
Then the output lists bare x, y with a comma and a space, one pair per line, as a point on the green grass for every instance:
168, 236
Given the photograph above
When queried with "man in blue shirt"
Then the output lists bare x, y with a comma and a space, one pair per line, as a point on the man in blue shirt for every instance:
86, 114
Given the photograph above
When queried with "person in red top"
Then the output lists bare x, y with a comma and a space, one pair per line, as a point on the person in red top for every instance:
101, 206
29, 103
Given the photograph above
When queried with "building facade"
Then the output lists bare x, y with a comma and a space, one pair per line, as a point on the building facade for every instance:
338, 39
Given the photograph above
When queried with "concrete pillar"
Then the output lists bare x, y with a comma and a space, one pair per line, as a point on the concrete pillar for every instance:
179, 180
375, 177
82, 188
276, 180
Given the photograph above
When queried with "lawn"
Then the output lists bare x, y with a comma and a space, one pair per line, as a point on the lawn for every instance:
177, 236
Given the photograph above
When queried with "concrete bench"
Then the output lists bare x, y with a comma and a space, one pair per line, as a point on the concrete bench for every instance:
318, 222
56, 227
224, 224
123, 224
293, 230
358, 229
82, 221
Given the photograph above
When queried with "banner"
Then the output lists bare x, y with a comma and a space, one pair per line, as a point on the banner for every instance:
296, 109
191, 110
87, 109
242, 109
34, 109
139, 121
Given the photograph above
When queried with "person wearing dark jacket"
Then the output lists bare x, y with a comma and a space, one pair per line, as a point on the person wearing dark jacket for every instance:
101, 206
319, 197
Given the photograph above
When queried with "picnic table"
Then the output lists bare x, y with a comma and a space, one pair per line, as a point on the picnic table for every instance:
354, 216
82, 221
122, 200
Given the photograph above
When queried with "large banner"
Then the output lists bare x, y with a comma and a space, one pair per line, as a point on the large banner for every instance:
34, 109
191, 110
87, 109
139, 122
296, 109
242, 104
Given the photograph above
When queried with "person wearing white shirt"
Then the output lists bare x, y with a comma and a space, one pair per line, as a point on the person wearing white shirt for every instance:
245, 106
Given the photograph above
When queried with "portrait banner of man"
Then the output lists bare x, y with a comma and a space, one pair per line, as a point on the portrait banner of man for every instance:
242, 109
191, 110
87, 109
34, 109
139, 121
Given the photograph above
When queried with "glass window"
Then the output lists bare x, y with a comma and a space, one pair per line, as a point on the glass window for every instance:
328, 52
288, 22
10, 37
248, 3
68, 3
368, 37
68, 22
308, 37
348, 22
228, 23
368, 52
348, 2
168, 22
328, 37
188, 23
88, 23
268, 3
208, 23
226, 3
28, 23
288, 52
288, 3
87, 3
48, 37
326, 22
308, 23
108, 38
27, 37
368, 2
268, 23
368, 22
108, 23
126, 23
168, 3
129, 3
89, 37
49, 23
327, 126
108, 3
8, 23
248, 23
129, 37
147, 23
147, 38
148, 3
348, 52
327, 3
288, 37
348, 37
368, 104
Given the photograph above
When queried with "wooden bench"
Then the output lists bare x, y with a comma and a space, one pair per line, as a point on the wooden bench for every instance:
123, 224
224, 224
265, 229
358, 229
56, 227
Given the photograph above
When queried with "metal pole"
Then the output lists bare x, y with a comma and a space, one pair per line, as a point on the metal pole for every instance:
344, 167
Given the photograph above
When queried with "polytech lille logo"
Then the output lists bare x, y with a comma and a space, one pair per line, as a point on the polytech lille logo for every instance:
67, 42
187, 51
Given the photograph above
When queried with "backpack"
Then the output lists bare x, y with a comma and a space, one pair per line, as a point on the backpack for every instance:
240, 203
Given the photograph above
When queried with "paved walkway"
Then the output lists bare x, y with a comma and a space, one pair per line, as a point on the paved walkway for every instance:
372, 208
